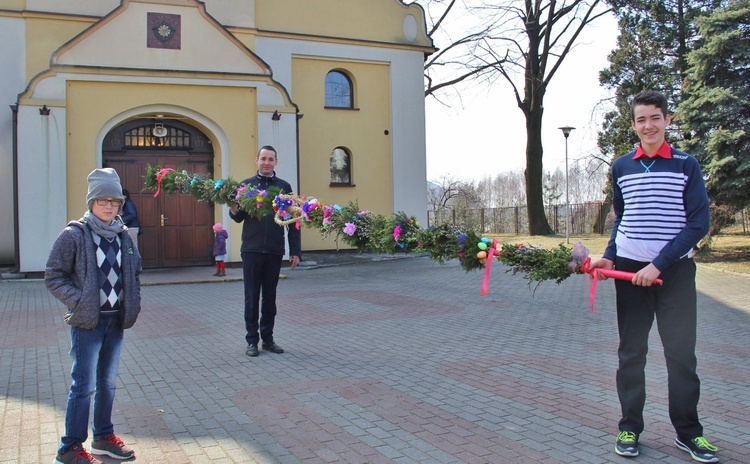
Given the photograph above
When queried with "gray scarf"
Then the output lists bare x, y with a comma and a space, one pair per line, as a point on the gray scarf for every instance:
98, 226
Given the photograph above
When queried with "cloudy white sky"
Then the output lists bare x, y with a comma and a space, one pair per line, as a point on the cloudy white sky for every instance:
486, 135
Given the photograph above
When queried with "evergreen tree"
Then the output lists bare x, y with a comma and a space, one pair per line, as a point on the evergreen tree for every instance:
651, 54
716, 111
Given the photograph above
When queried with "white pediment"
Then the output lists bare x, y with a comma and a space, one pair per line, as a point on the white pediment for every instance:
127, 39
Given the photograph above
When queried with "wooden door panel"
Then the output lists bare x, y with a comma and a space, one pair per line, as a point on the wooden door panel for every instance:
148, 215
183, 218
184, 237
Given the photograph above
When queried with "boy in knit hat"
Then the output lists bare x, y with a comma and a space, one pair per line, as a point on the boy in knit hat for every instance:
94, 269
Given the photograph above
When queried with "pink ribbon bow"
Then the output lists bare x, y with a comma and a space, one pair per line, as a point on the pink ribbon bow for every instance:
160, 175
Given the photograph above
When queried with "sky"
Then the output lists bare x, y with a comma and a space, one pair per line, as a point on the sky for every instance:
484, 133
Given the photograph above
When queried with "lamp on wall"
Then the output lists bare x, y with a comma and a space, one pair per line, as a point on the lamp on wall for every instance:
159, 130
275, 116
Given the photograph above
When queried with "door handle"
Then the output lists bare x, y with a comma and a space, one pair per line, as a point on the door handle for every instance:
163, 219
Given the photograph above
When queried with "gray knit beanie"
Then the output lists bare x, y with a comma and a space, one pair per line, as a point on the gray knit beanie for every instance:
103, 183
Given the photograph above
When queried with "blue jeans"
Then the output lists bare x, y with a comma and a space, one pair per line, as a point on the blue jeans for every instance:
96, 362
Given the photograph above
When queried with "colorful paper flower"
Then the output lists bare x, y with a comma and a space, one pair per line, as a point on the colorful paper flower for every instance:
350, 228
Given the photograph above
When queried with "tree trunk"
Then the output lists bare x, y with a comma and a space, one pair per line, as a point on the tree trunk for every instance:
538, 224
533, 97
601, 216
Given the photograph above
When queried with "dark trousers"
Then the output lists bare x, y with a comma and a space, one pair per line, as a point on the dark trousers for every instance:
260, 272
675, 306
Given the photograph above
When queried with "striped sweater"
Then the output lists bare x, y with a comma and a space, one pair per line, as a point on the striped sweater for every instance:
661, 208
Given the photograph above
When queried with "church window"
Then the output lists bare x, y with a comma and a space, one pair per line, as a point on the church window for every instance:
339, 90
340, 167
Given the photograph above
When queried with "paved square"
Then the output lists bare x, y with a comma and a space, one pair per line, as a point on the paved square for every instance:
396, 361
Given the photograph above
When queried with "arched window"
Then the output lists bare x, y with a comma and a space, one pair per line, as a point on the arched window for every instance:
158, 135
339, 91
341, 167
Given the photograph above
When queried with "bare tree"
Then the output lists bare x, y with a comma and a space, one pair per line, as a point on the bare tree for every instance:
447, 194
525, 43
546, 32
510, 188
459, 56
442, 192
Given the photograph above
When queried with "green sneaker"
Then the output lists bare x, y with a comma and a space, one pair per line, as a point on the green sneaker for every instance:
699, 448
627, 444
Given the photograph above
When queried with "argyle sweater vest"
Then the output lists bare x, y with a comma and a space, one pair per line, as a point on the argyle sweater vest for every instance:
109, 260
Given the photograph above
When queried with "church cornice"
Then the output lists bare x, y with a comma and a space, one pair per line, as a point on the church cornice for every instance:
339, 40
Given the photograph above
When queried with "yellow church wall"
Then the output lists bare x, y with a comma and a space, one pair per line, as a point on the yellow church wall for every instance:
44, 35
90, 105
361, 131
13, 5
245, 36
370, 20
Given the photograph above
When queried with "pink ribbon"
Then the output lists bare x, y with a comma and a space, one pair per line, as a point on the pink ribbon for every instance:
160, 175
491, 252
593, 280
611, 273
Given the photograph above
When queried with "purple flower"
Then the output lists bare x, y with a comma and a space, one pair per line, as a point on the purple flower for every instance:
349, 229
580, 253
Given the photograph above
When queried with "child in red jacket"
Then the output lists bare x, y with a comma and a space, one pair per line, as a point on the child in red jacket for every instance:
220, 249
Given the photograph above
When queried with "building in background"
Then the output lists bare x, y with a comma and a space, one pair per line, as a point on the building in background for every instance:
335, 85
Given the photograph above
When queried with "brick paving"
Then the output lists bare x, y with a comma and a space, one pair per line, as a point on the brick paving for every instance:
395, 361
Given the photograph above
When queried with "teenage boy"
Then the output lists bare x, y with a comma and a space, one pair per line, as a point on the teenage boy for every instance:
661, 212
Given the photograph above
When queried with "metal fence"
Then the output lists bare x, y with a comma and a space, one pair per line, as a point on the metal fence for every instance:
584, 219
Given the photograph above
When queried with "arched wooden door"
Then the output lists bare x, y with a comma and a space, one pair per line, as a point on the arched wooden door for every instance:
176, 229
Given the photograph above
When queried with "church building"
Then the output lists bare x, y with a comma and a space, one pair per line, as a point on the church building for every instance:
336, 86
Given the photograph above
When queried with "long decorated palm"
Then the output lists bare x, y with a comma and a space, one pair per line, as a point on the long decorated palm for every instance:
371, 232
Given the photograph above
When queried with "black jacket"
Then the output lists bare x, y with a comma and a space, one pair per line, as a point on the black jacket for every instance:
264, 235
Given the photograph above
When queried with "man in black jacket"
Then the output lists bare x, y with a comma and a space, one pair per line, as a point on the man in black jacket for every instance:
262, 251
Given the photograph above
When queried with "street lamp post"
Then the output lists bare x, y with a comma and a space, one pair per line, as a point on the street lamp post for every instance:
566, 132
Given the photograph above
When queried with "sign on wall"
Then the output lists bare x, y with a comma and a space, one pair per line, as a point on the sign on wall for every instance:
163, 31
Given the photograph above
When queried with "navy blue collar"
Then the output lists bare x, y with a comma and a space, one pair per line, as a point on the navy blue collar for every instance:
266, 178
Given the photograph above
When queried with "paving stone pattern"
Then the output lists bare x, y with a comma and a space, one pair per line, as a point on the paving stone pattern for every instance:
394, 361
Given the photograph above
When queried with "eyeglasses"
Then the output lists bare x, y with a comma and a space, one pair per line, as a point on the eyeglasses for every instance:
103, 202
